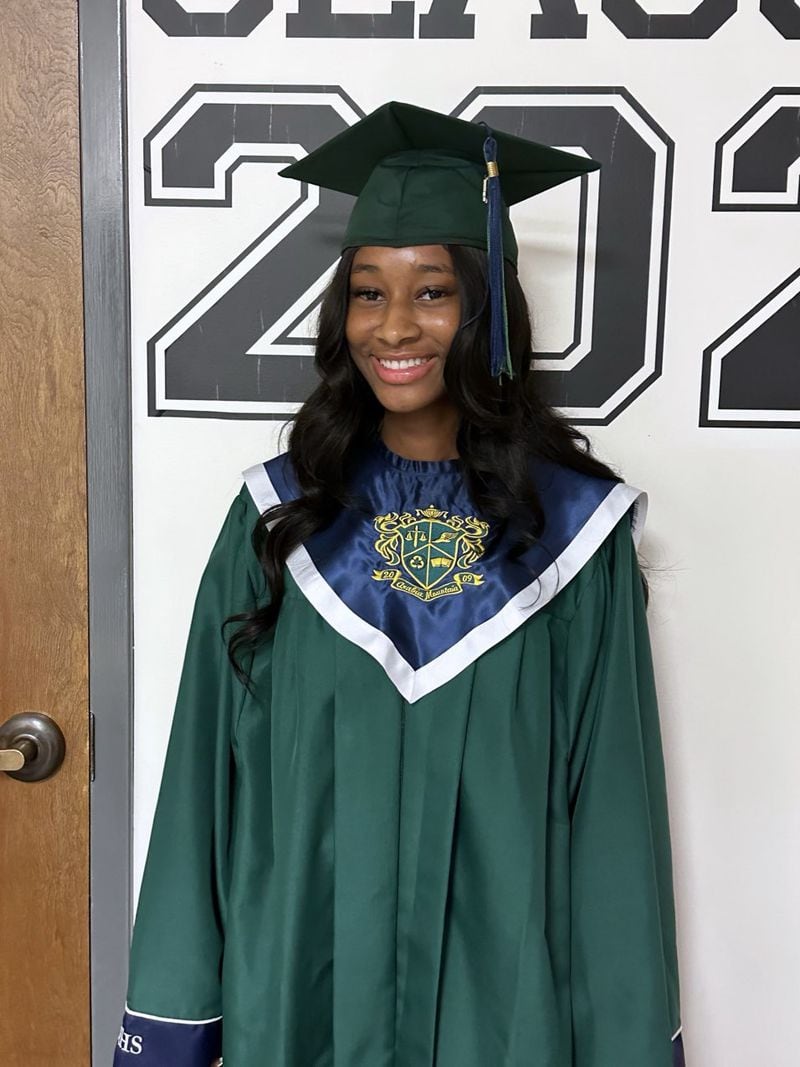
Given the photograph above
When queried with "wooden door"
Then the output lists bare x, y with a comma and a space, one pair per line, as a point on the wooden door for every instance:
44, 869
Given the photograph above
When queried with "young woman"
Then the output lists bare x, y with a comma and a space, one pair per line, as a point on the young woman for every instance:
413, 812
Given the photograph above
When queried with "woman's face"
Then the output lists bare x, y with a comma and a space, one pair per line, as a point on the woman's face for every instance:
404, 310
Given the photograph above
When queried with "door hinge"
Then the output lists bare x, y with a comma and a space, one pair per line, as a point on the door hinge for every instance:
91, 746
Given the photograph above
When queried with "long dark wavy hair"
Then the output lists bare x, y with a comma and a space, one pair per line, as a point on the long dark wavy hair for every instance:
502, 424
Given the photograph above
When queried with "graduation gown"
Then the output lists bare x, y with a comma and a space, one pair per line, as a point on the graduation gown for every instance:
434, 831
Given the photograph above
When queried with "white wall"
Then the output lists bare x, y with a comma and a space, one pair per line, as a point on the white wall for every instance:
724, 501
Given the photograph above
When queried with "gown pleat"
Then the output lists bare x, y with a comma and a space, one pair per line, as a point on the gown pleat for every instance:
367, 749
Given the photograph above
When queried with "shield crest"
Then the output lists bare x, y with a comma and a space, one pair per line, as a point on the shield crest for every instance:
429, 546
429, 551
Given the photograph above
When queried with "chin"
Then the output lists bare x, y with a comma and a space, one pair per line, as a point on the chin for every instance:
391, 400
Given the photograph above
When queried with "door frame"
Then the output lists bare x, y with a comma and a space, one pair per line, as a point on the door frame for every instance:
106, 281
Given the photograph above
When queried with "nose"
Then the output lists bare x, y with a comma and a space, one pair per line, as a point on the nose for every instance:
398, 325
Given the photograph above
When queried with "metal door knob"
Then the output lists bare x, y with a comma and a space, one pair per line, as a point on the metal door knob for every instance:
32, 746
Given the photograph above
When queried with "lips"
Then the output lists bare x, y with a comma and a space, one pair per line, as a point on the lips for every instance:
402, 369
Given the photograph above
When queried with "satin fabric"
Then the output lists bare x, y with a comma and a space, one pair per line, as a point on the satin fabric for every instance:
478, 879
385, 482
152, 1042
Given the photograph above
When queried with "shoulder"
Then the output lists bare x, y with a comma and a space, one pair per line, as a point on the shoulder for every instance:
576, 504
589, 524
271, 482
232, 571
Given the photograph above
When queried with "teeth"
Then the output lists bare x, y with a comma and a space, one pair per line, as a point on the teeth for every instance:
401, 364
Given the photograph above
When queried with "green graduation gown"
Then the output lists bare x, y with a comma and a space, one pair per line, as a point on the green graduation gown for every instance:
358, 864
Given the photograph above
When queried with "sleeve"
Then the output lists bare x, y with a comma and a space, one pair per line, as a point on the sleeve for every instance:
173, 1014
624, 975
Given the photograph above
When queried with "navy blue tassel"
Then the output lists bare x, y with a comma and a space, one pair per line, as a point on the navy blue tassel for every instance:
499, 352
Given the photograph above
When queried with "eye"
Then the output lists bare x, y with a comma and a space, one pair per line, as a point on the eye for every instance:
432, 293
365, 294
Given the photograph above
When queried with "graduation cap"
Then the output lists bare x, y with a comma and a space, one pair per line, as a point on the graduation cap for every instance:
426, 178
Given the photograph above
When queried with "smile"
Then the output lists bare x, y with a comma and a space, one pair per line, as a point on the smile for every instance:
401, 364
400, 371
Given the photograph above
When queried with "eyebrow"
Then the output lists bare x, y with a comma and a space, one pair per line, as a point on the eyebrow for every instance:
422, 268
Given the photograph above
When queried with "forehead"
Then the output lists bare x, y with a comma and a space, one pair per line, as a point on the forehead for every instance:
416, 258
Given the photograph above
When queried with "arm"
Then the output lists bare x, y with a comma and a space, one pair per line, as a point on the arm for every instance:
625, 1002
174, 1000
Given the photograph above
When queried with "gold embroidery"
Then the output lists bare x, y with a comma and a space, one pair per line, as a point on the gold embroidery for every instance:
429, 546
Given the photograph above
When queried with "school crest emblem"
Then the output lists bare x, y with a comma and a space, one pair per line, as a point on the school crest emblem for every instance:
429, 552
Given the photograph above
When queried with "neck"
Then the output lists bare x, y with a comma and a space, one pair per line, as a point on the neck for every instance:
429, 434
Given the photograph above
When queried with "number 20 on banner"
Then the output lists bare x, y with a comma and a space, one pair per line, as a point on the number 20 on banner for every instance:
243, 346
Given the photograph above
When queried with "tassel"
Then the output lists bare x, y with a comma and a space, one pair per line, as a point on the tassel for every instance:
499, 351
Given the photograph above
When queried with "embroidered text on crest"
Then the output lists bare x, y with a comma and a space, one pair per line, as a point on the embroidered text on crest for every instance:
430, 547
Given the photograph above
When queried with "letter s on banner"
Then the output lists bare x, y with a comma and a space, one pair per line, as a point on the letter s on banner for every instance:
632, 20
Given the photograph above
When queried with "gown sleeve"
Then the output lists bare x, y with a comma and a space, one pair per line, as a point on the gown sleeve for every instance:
624, 985
173, 1013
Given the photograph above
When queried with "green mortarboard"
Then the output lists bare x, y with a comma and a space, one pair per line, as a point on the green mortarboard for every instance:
426, 178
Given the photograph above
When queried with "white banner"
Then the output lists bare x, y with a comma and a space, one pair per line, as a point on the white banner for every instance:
666, 308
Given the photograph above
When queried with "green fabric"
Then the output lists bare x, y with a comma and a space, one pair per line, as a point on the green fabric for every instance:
478, 879
423, 198
418, 176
